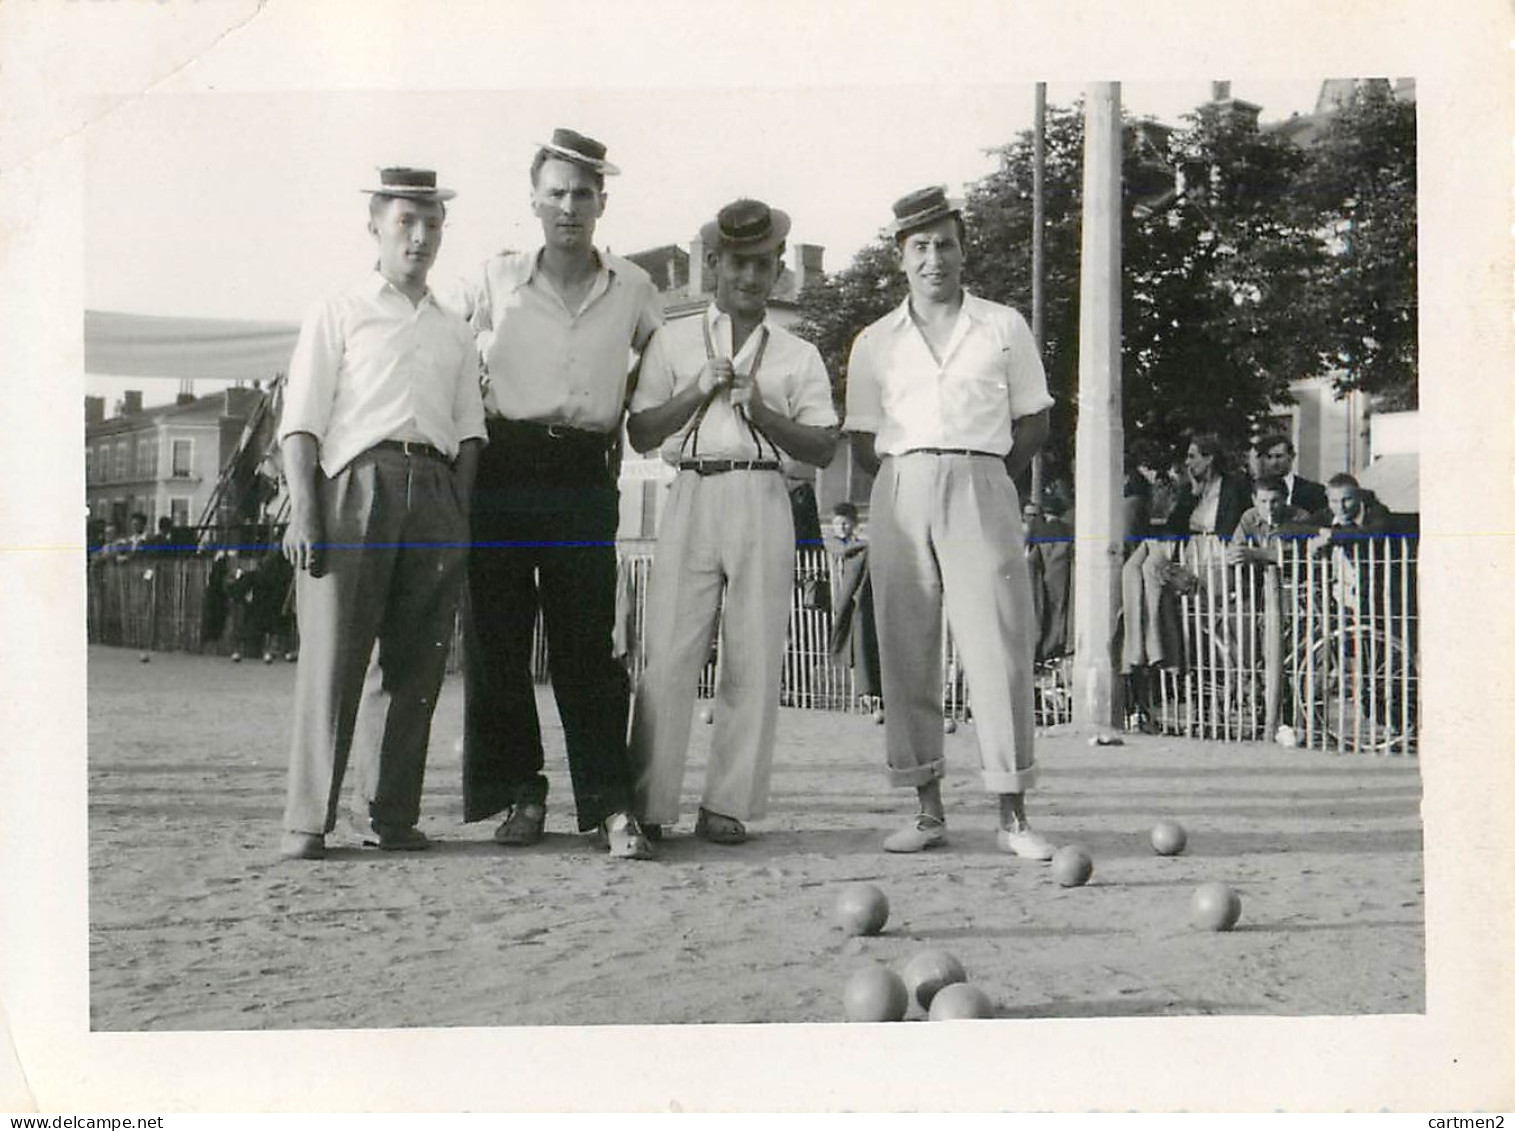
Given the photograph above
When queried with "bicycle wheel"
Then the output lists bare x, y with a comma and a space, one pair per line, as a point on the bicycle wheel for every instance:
1358, 688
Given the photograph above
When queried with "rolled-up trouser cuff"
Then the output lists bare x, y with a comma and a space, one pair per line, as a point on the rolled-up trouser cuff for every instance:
1010, 781
917, 776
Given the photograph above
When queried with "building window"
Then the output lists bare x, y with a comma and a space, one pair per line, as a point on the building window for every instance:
122, 454
183, 458
178, 510
147, 458
89, 466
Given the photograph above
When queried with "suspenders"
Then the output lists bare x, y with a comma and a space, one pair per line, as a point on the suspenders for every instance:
699, 416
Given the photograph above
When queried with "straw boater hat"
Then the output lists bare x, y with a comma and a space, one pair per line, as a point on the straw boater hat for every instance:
581, 150
412, 184
922, 207
745, 225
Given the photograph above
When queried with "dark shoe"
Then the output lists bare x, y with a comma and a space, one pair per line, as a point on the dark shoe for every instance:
523, 826
396, 838
653, 833
718, 829
303, 846
624, 838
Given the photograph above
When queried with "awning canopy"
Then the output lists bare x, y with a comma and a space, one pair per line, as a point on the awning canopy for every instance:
1395, 479
210, 349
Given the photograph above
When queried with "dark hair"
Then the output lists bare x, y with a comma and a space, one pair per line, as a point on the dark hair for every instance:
1271, 440
962, 231
379, 201
845, 510
165, 524
139, 514
545, 155
1271, 483
1342, 479
1209, 444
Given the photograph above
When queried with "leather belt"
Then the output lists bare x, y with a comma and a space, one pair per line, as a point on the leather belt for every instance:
550, 434
411, 448
721, 466
951, 452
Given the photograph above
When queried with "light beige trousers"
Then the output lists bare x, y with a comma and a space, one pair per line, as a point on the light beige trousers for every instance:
725, 556
945, 531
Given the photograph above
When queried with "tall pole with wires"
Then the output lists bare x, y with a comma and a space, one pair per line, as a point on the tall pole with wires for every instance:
1038, 219
1100, 436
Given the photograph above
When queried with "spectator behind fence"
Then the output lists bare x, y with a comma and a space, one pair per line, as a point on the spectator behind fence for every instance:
854, 635
1257, 535
1210, 500
1049, 557
1275, 459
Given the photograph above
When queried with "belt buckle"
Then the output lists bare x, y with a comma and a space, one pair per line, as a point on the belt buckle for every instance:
556, 431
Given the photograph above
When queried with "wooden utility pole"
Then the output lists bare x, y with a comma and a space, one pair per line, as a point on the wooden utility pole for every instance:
1038, 263
1099, 442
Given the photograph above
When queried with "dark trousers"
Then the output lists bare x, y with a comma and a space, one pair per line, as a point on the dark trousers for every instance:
395, 540
545, 510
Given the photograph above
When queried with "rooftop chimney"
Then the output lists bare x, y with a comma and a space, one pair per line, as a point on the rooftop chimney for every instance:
131, 402
94, 410
805, 260
697, 274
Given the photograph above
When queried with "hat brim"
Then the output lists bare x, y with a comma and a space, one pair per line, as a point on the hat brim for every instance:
604, 168
712, 239
435, 195
924, 219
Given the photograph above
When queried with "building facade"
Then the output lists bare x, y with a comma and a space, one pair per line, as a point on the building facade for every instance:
161, 461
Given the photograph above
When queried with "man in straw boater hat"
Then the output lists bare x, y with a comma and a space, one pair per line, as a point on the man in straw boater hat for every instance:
380, 432
732, 399
946, 402
557, 327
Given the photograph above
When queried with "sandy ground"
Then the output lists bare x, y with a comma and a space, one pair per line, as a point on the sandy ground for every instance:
196, 924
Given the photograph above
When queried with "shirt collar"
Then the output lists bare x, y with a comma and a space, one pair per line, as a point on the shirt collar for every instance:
715, 316
973, 307
526, 266
378, 285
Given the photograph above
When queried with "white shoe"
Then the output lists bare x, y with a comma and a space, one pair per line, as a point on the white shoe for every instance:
1024, 843
924, 832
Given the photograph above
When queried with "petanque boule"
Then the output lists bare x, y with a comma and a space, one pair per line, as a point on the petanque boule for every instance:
1072, 866
707, 715
1214, 907
960, 1002
927, 972
1168, 838
949, 726
862, 909
875, 993
144, 658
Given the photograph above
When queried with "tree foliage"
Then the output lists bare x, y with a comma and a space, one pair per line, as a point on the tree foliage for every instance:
1247, 261
1361, 181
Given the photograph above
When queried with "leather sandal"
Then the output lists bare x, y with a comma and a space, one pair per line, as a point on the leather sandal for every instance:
523, 826
623, 837
719, 829
920, 834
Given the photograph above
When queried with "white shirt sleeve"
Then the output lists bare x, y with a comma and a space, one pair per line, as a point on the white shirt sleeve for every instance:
1024, 372
810, 399
655, 386
311, 389
864, 400
468, 401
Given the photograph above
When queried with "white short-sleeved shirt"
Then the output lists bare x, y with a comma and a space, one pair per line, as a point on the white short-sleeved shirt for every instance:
791, 379
990, 374
550, 365
370, 365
